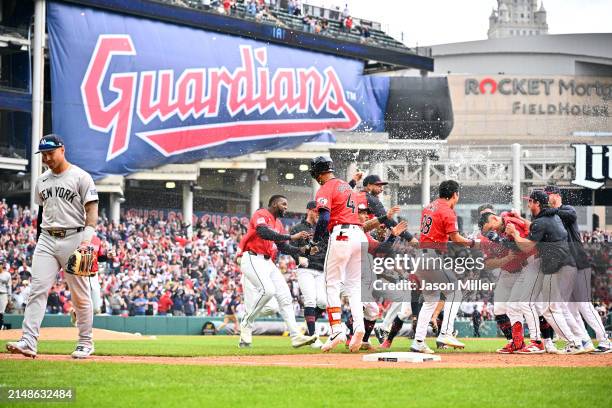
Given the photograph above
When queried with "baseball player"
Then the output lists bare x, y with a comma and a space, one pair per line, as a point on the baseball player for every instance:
337, 205
548, 235
376, 249
438, 225
259, 249
310, 276
6, 287
519, 271
67, 217
580, 305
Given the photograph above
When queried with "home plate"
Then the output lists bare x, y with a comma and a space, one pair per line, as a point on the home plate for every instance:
401, 357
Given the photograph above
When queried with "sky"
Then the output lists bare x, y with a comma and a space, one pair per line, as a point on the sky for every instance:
429, 22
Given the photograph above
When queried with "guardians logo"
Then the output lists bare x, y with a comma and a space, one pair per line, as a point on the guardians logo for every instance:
593, 165
210, 95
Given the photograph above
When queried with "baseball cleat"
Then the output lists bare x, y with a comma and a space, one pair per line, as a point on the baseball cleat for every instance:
574, 348
20, 347
356, 342
381, 334
300, 340
385, 344
507, 349
604, 347
246, 335
242, 344
550, 347
82, 352
420, 347
367, 346
588, 346
333, 341
448, 340
532, 348
317, 344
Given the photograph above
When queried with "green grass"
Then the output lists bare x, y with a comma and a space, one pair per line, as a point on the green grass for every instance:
156, 385
136, 385
191, 346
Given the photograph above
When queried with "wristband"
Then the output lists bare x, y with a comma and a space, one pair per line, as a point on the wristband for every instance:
88, 233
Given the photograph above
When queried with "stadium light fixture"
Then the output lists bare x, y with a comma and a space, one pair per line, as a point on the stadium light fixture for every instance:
221, 171
170, 184
289, 176
303, 167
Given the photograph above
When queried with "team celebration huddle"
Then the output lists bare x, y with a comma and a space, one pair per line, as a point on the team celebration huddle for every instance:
543, 284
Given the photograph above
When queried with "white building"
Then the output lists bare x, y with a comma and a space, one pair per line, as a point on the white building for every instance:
514, 18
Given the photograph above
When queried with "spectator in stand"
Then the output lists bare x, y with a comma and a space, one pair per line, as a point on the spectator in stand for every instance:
291, 7
306, 23
189, 304
365, 34
165, 304
140, 304
117, 303
227, 4
251, 8
348, 24
345, 13
476, 321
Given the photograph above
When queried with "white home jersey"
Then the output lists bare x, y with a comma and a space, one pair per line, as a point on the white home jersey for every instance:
63, 197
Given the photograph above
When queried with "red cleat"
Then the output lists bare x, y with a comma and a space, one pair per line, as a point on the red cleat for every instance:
532, 348
507, 349
385, 345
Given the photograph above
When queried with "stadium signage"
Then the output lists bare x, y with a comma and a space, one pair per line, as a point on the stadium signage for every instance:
197, 93
549, 87
593, 165
131, 94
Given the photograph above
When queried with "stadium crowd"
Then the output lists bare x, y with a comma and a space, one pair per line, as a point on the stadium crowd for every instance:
148, 267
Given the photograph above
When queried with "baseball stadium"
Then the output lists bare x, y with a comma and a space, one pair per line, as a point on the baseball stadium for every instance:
279, 203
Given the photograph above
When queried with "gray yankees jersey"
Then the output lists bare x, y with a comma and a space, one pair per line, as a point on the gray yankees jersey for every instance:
63, 197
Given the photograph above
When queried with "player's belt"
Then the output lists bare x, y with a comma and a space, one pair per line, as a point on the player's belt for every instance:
61, 232
266, 257
347, 226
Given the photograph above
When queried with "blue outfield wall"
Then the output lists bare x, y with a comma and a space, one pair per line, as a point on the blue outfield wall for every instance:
183, 325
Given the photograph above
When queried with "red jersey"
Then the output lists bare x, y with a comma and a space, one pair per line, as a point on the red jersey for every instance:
438, 220
497, 250
341, 201
253, 242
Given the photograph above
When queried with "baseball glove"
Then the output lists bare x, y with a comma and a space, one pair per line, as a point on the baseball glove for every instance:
81, 262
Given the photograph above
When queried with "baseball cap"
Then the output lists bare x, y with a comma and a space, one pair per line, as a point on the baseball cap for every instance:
374, 179
363, 207
49, 142
552, 190
311, 205
538, 196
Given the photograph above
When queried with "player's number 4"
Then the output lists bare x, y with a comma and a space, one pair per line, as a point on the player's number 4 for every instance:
350, 204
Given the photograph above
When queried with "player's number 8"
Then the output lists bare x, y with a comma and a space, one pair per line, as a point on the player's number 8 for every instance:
426, 224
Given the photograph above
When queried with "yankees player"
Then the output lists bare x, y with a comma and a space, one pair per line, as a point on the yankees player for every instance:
580, 305
5, 292
438, 225
67, 216
548, 235
310, 276
337, 204
259, 249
